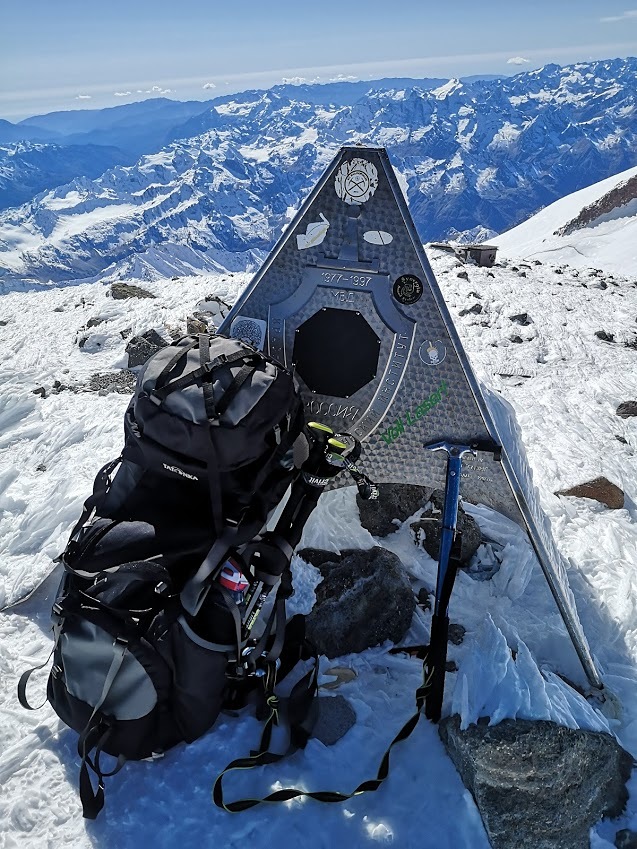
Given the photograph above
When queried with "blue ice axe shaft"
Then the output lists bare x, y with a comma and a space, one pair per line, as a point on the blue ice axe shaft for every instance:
437, 654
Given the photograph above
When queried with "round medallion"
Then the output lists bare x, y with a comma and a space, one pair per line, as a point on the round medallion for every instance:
432, 353
356, 181
408, 289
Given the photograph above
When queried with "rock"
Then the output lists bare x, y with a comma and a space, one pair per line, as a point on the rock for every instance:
476, 309
141, 348
605, 337
395, 501
456, 634
364, 599
600, 489
426, 531
40, 468
122, 291
517, 340
4, 322
521, 318
626, 839
621, 439
196, 324
627, 409
41, 391
464, 275
94, 322
538, 785
335, 718
122, 382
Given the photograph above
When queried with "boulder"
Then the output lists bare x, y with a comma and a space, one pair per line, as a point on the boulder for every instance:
600, 489
538, 785
396, 501
364, 599
122, 291
141, 348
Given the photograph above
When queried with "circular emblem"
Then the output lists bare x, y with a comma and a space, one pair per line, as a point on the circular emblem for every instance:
408, 289
432, 353
356, 181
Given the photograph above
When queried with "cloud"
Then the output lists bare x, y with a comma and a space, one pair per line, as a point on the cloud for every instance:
156, 89
628, 15
209, 85
518, 60
83, 97
122, 93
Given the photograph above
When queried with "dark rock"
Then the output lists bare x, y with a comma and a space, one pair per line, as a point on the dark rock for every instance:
626, 839
41, 391
517, 340
476, 294
521, 273
456, 634
395, 501
463, 275
424, 598
335, 718
605, 337
451, 666
622, 440
476, 309
600, 489
426, 531
122, 291
94, 322
122, 382
141, 348
40, 468
538, 785
4, 322
81, 342
627, 409
58, 309
126, 333
632, 344
521, 318
364, 599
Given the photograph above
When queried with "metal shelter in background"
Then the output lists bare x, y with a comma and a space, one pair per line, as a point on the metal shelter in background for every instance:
348, 297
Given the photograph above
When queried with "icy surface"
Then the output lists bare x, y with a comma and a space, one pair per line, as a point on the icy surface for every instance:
564, 384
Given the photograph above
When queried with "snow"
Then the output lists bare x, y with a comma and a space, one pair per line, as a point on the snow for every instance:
609, 242
51, 448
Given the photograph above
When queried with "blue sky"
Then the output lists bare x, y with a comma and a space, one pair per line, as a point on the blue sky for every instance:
68, 54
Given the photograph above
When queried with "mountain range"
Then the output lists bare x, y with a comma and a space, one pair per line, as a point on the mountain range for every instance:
222, 180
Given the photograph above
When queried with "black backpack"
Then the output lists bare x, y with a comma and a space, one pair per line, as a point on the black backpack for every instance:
148, 643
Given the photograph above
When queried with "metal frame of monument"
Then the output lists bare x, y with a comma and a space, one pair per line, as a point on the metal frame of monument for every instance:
348, 296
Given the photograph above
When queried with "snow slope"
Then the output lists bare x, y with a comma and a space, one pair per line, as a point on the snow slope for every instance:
564, 383
607, 241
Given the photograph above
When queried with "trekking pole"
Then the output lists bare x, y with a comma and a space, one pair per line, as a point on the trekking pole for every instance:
329, 454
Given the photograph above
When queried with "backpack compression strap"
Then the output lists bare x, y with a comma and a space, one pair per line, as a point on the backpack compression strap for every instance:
263, 757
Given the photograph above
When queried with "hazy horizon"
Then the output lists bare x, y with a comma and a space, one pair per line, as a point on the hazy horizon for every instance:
69, 55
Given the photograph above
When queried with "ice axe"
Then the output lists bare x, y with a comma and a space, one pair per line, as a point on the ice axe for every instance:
447, 568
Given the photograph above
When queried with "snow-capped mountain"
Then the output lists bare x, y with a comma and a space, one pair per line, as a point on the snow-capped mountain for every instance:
596, 226
481, 155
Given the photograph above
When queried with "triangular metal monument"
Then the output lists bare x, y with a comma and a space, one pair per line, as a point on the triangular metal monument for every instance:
348, 297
